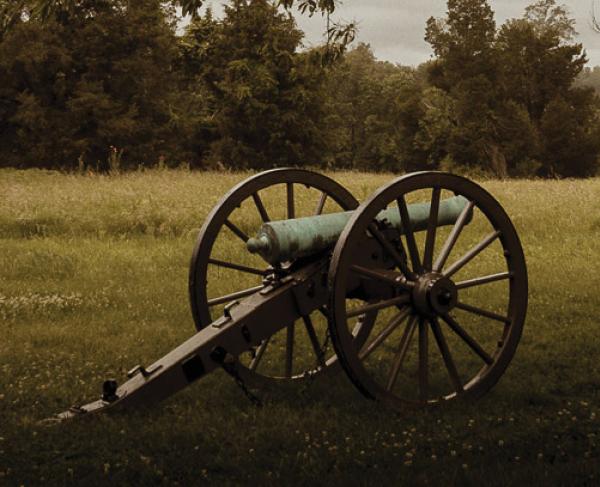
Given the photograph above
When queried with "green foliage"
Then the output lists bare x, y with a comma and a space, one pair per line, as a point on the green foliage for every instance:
463, 42
263, 94
339, 34
549, 19
507, 85
570, 127
195, 121
81, 78
520, 138
188, 7
100, 78
435, 124
542, 39
523, 44
373, 108
466, 69
589, 77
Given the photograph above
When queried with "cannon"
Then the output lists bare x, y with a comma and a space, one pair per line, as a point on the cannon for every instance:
419, 293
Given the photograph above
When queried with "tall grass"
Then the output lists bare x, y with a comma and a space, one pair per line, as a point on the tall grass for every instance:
93, 280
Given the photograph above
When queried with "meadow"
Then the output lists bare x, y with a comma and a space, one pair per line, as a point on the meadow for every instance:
93, 280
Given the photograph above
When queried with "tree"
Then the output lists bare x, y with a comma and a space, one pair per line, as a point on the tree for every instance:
191, 7
466, 69
264, 94
589, 77
370, 106
434, 125
509, 90
549, 19
462, 42
198, 130
570, 129
540, 64
339, 35
95, 78
33, 63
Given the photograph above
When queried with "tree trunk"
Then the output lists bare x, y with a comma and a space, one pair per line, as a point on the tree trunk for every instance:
497, 160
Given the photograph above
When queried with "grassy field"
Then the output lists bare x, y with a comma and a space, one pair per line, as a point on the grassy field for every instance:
93, 280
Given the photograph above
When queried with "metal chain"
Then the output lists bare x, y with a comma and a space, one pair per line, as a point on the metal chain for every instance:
325, 345
323, 348
230, 366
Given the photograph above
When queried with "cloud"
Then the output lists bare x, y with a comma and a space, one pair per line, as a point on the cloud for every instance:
395, 28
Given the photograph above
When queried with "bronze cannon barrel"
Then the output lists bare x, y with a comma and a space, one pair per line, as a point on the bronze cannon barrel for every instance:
284, 240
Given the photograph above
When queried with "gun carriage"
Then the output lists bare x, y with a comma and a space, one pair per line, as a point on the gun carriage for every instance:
373, 280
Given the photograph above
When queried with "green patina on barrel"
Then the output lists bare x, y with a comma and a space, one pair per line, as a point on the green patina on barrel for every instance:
283, 240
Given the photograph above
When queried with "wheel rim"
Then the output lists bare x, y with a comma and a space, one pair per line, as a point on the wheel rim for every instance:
271, 195
434, 338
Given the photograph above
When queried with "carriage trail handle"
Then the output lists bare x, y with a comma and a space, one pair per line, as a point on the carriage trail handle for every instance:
284, 240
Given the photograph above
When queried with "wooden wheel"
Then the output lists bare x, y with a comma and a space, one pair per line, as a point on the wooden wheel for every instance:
222, 270
455, 298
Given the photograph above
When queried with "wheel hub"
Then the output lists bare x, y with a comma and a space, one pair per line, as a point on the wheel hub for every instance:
434, 294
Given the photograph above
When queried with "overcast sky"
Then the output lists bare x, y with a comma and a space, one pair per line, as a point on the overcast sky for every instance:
395, 28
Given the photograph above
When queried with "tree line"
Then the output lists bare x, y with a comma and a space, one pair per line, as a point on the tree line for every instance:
111, 83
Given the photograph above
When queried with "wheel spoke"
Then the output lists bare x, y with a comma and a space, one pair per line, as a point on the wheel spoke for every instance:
460, 331
446, 355
431, 228
461, 221
465, 259
289, 350
413, 251
232, 296
402, 350
383, 276
261, 208
236, 230
478, 281
389, 248
405, 298
312, 335
482, 312
423, 360
321, 204
291, 211
237, 267
391, 326
362, 322
259, 354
